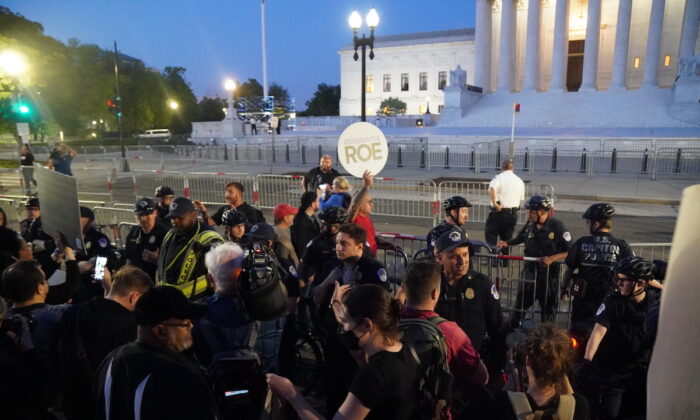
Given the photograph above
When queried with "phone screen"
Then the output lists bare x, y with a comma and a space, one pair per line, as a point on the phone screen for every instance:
100, 264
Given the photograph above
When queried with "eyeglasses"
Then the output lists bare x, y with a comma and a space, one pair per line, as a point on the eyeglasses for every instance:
187, 324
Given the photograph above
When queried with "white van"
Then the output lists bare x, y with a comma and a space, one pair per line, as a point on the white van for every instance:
156, 133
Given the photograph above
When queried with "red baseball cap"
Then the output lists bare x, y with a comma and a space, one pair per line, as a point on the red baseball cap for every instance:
282, 210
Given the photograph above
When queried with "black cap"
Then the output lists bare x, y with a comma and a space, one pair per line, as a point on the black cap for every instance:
144, 206
163, 302
87, 213
164, 190
262, 231
451, 240
32, 202
180, 207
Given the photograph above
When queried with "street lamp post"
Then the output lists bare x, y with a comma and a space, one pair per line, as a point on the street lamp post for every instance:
355, 21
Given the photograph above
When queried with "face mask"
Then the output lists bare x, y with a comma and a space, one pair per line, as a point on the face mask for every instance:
350, 340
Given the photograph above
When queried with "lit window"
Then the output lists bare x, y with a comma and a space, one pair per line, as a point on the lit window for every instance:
387, 83
421, 109
667, 61
404, 82
423, 81
442, 80
369, 87
636, 62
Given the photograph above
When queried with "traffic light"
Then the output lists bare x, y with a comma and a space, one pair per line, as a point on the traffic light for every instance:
23, 109
114, 106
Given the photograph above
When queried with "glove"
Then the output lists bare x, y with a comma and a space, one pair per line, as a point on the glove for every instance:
585, 372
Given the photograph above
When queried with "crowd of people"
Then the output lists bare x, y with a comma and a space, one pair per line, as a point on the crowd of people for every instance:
198, 316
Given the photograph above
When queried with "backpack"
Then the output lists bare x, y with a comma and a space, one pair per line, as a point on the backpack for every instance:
434, 383
523, 410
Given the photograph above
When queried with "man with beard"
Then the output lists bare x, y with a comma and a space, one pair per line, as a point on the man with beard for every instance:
181, 257
323, 174
143, 241
234, 198
152, 378
456, 214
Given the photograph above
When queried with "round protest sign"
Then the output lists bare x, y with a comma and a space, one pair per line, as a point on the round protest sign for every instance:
362, 147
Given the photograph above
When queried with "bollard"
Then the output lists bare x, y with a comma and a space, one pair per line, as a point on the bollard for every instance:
645, 161
286, 152
303, 154
260, 153
472, 156
274, 157
613, 162
498, 157
422, 156
583, 161
554, 159
235, 152
398, 158
525, 158
677, 169
225, 152
320, 152
447, 157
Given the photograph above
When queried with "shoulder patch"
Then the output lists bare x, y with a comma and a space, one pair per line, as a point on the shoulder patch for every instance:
103, 242
566, 236
381, 273
494, 292
293, 271
600, 310
152, 240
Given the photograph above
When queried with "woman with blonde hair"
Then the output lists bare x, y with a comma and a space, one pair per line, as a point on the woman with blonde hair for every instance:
339, 196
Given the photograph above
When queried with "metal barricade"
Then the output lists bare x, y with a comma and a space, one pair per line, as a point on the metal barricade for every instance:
11, 182
11, 209
401, 198
110, 218
652, 251
478, 195
410, 244
210, 187
276, 189
123, 229
146, 182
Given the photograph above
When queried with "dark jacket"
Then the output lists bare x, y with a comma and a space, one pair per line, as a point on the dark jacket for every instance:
303, 230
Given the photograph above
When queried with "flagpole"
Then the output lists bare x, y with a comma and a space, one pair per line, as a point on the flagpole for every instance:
264, 48
511, 146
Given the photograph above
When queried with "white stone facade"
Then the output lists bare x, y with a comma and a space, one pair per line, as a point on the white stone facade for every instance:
431, 53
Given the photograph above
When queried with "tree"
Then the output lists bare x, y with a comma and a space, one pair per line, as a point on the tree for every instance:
211, 109
249, 89
392, 106
326, 101
279, 92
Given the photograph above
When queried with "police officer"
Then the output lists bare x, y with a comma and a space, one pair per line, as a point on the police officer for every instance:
234, 225
321, 250
593, 258
143, 241
96, 242
456, 214
613, 376
32, 232
165, 196
181, 257
547, 239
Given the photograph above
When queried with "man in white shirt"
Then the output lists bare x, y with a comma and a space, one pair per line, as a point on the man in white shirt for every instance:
506, 191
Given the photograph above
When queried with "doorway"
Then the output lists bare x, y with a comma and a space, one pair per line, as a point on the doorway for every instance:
574, 68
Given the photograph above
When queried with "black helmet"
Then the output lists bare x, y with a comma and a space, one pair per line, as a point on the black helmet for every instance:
637, 268
599, 211
538, 202
32, 202
334, 215
164, 190
455, 202
233, 218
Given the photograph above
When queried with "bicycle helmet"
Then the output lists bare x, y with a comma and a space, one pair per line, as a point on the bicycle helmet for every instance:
233, 218
334, 215
455, 202
538, 202
637, 268
164, 190
599, 211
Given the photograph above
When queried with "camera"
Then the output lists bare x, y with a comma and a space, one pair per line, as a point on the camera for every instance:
260, 284
258, 265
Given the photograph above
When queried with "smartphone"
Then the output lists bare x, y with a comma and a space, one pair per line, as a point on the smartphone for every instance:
100, 264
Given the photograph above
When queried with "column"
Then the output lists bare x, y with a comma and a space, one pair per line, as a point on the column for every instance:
622, 40
560, 46
651, 63
689, 33
532, 46
482, 74
505, 66
590, 51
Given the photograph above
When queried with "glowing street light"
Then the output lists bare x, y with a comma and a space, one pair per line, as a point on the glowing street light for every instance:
12, 63
173, 104
230, 85
355, 22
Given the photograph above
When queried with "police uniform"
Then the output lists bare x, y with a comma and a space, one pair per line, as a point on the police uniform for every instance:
593, 256
137, 241
253, 215
319, 252
163, 214
552, 238
31, 230
438, 230
96, 244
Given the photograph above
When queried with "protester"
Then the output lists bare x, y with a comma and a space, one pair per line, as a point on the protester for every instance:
361, 208
234, 198
181, 257
339, 196
143, 242
384, 385
165, 196
547, 354
305, 226
61, 158
153, 377
89, 331
284, 218
323, 174
26, 162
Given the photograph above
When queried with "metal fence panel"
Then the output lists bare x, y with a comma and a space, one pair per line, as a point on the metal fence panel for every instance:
276, 189
146, 182
401, 198
210, 187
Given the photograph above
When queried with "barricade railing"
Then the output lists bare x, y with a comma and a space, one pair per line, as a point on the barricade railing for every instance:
11, 181
110, 218
123, 229
402, 198
11, 208
210, 187
146, 182
276, 189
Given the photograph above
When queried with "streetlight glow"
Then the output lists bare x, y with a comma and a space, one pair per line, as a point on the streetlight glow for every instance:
230, 85
372, 18
173, 104
12, 63
355, 20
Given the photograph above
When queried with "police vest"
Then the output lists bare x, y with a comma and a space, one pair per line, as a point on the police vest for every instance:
190, 287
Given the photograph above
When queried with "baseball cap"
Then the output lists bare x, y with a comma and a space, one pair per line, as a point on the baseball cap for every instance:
282, 210
32, 202
162, 302
144, 206
451, 240
262, 231
180, 207
87, 213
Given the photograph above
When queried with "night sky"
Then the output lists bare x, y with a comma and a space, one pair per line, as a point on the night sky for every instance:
216, 39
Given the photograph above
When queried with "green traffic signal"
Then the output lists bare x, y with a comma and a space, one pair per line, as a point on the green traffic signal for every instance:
23, 109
